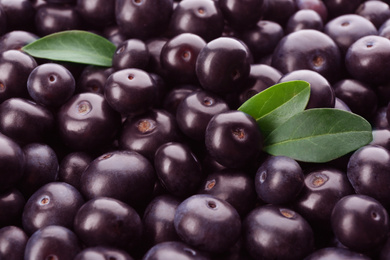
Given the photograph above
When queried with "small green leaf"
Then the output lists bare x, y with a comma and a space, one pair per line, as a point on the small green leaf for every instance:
273, 106
319, 135
73, 46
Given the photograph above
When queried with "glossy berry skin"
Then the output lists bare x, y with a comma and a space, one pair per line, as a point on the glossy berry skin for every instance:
13, 241
113, 34
308, 49
97, 13
375, 11
384, 29
11, 162
130, 91
231, 133
52, 242
25, 121
303, 20
195, 111
207, 223
20, 14
178, 57
339, 104
174, 250
72, 166
373, 161
200, 17
123, 175
87, 122
116, 224
15, 40
51, 84
160, 212
364, 212
367, 59
131, 53
12, 201
18, 66
51, 18
336, 253
178, 169
147, 132
242, 13
222, 65
92, 79
316, 5
381, 137
102, 253
348, 28
360, 97
321, 92
262, 38
279, 180
234, 186
131, 16
261, 77
174, 96
272, 232
55, 203
41, 167
327, 186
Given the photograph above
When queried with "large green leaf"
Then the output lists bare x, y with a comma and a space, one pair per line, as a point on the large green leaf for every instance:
275, 105
319, 135
73, 46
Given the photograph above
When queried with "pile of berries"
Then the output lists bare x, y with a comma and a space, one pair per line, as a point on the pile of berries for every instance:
150, 158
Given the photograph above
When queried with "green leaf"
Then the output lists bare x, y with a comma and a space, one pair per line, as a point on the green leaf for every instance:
73, 46
275, 105
319, 135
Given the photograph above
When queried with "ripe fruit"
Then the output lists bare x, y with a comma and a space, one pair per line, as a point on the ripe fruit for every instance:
148, 158
222, 65
114, 173
195, 111
370, 161
112, 219
51, 84
52, 242
130, 91
279, 180
228, 134
274, 232
367, 59
55, 203
364, 212
178, 169
207, 223
87, 122
308, 49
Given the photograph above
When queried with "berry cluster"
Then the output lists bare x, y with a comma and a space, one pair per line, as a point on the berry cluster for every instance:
150, 158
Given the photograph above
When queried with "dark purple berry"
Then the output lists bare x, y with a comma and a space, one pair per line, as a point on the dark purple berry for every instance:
51, 84
207, 223
230, 133
367, 214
